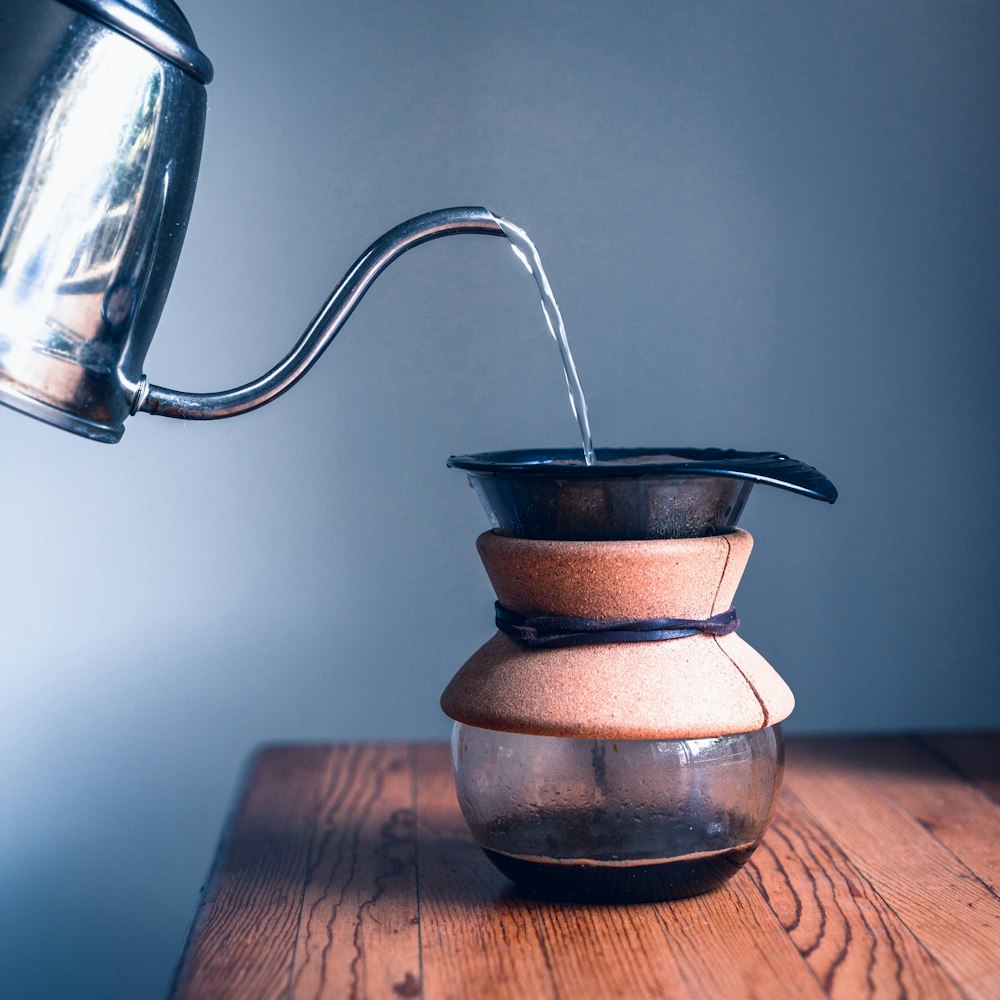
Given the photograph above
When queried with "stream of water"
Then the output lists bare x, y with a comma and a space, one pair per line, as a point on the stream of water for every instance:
527, 253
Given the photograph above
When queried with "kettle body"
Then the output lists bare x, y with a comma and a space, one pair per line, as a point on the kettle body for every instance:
102, 116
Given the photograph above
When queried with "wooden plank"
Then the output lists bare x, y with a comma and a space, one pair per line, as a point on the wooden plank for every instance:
728, 943
475, 941
481, 939
853, 941
243, 937
975, 756
950, 911
358, 932
958, 814
316, 875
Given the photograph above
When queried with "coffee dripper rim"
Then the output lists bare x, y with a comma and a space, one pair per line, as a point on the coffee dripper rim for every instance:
768, 468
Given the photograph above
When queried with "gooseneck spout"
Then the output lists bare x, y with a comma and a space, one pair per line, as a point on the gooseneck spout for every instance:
334, 313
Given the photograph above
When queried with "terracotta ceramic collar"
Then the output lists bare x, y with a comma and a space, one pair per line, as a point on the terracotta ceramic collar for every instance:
696, 686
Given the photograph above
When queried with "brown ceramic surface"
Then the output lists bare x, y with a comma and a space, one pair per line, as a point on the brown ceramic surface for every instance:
682, 688
682, 577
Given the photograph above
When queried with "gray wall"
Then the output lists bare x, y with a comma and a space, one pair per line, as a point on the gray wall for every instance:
771, 226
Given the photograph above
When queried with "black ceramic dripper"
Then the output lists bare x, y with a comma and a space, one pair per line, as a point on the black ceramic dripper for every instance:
631, 493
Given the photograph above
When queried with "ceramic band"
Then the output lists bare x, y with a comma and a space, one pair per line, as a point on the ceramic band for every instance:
700, 686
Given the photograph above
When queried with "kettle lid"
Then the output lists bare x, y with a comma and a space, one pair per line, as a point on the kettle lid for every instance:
159, 25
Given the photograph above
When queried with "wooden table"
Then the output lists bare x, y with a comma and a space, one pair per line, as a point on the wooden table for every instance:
348, 871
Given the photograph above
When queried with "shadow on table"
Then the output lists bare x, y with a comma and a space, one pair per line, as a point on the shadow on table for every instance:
334, 862
971, 756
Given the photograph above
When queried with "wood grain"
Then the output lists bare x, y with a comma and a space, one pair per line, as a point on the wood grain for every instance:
357, 932
973, 756
349, 871
851, 938
316, 875
243, 940
932, 892
960, 815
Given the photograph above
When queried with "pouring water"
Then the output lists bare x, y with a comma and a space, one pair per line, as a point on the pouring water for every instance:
527, 253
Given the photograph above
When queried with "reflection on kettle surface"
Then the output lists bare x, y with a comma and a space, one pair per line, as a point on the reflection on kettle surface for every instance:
97, 171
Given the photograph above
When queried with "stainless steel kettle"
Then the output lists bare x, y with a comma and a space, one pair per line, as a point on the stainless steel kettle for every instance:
102, 114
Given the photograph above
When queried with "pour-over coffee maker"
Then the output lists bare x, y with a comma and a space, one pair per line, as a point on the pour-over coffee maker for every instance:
616, 740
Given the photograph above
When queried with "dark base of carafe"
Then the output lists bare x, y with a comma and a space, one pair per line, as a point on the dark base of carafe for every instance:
652, 882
